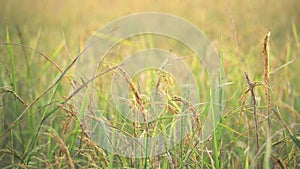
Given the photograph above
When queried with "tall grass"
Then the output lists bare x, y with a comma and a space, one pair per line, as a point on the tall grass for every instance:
41, 127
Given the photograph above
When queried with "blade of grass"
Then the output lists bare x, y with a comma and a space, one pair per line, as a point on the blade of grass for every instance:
13, 83
215, 135
216, 150
83, 109
293, 137
11, 59
295, 34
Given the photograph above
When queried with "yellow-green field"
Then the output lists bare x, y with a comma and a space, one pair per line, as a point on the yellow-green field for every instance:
41, 122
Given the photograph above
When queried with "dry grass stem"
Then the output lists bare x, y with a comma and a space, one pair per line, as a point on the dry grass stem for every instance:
251, 86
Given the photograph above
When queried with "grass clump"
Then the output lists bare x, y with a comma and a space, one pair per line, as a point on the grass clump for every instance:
42, 125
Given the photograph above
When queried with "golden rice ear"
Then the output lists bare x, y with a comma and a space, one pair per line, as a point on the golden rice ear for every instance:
265, 55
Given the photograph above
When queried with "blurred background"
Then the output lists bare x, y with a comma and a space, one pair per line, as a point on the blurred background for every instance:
76, 18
